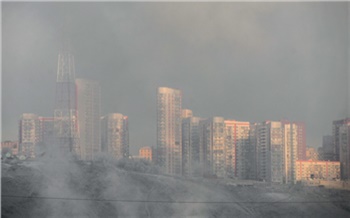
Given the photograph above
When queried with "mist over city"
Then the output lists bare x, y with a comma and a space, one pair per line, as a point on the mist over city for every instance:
125, 109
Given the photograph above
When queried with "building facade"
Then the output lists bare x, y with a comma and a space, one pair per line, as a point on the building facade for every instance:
317, 170
169, 121
65, 110
88, 107
190, 146
337, 124
29, 135
47, 136
9, 146
115, 135
344, 150
213, 147
327, 151
146, 153
237, 148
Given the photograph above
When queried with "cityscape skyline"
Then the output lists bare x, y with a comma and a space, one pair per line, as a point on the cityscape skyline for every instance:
208, 88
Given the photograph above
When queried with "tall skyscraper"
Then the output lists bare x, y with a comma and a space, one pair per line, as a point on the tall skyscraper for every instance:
88, 107
47, 135
290, 147
190, 146
270, 156
169, 148
213, 147
344, 150
327, 151
277, 150
65, 112
237, 148
29, 135
115, 135
301, 140
337, 124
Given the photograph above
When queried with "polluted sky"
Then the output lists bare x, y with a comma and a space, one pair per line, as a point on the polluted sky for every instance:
242, 61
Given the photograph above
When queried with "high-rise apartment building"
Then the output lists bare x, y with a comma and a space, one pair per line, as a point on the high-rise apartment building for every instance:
251, 167
290, 150
337, 124
270, 156
277, 150
169, 112
88, 107
47, 137
213, 147
301, 140
237, 148
327, 151
115, 135
190, 146
29, 135
344, 150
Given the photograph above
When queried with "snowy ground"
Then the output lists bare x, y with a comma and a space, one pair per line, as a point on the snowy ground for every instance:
106, 189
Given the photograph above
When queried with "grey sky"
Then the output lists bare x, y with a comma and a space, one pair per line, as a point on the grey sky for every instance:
243, 61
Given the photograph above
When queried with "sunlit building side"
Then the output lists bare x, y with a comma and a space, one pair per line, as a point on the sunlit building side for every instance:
213, 147
169, 121
237, 148
115, 135
146, 153
317, 170
290, 150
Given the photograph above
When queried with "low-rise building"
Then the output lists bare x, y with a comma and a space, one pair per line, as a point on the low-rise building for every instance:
317, 170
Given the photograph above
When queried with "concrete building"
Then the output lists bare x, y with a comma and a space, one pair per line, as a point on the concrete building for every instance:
169, 121
337, 124
300, 140
29, 135
186, 113
251, 167
312, 154
327, 151
213, 147
146, 153
65, 109
190, 146
10, 146
237, 148
290, 149
47, 136
344, 150
277, 150
115, 135
270, 155
88, 107
317, 170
